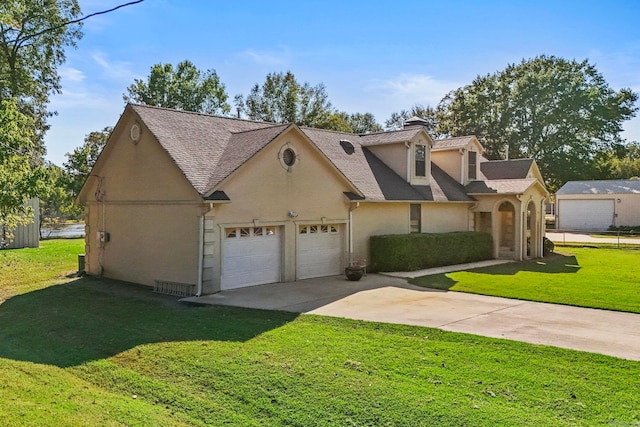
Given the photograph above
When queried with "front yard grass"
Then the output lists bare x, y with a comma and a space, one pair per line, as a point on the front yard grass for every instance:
99, 352
585, 277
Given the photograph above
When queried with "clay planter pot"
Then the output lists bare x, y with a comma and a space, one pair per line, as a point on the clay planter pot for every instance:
354, 273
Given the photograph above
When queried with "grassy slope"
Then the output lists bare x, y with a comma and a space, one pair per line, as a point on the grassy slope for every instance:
99, 352
598, 278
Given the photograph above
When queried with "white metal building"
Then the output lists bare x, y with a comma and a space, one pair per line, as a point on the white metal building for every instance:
597, 205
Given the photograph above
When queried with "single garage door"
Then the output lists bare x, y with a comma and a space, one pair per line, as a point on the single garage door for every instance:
320, 250
252, 256
585, 214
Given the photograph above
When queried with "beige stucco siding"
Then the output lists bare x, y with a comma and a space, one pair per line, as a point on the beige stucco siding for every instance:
449, 161
146, 242
394, 156
626, 206
445, 217
149, 210
374, 219
263, 192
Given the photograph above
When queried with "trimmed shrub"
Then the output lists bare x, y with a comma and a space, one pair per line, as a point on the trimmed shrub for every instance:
410, 252
548, 247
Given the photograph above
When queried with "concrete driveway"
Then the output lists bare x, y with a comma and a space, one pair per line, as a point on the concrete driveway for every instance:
388, 299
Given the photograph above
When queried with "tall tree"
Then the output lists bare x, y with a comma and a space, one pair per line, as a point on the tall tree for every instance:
33, 36
80, 162
397, 119
183, 88
561, 113
362, 123
282, 99
20, 180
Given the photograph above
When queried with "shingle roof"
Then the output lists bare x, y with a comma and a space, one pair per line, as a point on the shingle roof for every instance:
506, 169
389, 137
620, 186
353, 166
500, 186
208, 149
443, 188
452, 143
195, 142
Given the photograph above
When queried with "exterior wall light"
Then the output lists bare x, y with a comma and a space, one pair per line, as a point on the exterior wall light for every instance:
292, 214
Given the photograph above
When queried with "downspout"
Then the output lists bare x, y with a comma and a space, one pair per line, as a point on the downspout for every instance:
353, 207
408, 145
201, 250
461, 166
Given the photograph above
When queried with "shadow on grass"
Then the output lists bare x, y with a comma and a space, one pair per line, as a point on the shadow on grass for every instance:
552, 264
89, 319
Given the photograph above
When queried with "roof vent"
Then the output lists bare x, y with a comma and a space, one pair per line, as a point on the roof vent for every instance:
347, 146
415, 121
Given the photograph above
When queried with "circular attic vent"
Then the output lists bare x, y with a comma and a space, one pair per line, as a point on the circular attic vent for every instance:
347, 146
289, 157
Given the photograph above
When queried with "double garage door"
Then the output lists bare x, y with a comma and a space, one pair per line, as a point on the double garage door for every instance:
585, 214
253, 255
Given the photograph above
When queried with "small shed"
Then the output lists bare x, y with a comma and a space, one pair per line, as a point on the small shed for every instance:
598, 205
28, 236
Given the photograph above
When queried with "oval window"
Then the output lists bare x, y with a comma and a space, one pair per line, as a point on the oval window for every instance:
288, 157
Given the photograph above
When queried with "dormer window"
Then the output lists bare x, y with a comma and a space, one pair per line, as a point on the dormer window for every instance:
472, 161
420, 166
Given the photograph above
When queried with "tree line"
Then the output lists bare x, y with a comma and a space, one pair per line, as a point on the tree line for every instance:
560, 112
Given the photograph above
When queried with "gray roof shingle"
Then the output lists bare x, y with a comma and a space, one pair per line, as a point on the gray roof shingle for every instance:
506, 169
208, 149
500, 186
618, 186
452, 143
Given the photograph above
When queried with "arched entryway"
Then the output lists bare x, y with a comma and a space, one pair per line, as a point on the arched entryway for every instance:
507, 230
532, 232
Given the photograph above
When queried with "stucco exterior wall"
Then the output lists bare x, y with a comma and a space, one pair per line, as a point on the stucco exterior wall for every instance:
263, 193
445, 217
374, 219
449, 161
394, 156
147, 207
626, 206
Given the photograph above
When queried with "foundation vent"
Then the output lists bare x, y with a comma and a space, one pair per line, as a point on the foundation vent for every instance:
174, 288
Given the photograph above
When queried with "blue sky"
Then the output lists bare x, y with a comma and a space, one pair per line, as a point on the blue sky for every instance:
373, 56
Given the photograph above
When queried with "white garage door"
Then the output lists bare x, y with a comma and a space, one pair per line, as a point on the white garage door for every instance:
252, 256
585, 214
320, 250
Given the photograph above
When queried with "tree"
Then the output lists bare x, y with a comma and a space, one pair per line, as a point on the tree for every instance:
362, 123
81, 160
20, 180
282, 99
33, 35
397, 119
183, 88
561, 113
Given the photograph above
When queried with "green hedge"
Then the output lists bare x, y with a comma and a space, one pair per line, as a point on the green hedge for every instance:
410, 252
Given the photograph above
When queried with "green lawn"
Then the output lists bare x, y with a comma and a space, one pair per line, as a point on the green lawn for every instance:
100, 352
586, 277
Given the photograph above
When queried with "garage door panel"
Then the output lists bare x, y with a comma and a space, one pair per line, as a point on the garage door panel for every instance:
585, 214
320, 251
251, 257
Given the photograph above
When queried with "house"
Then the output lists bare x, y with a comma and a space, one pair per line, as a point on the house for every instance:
205, 203
27, 236
597, 205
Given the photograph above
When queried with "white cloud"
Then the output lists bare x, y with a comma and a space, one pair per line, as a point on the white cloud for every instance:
408, 89
117, 70
279, 58
70, 74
